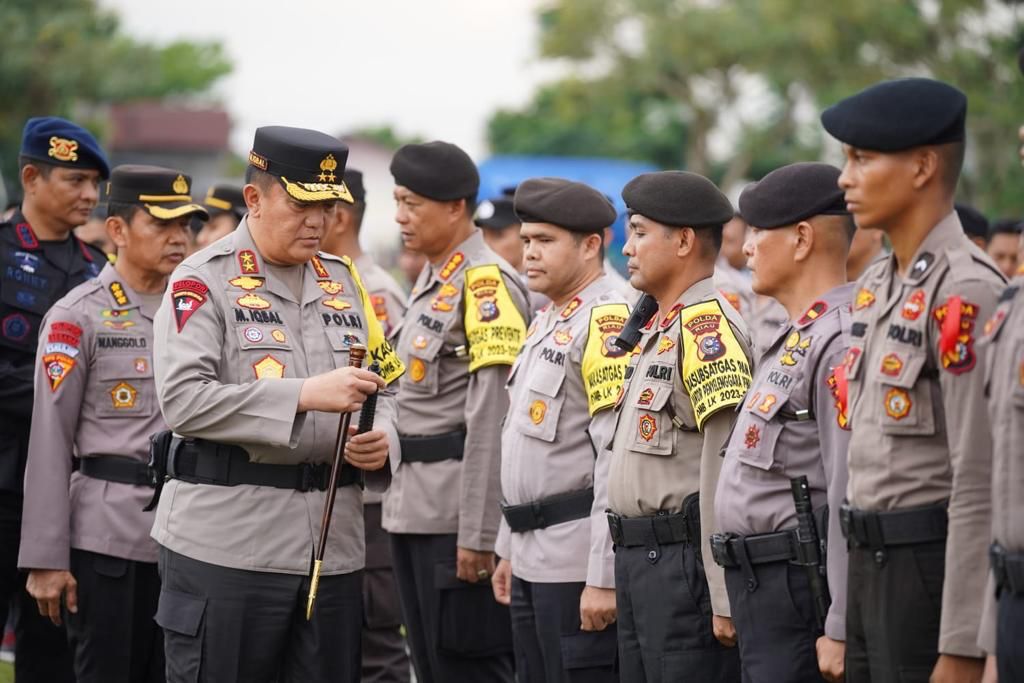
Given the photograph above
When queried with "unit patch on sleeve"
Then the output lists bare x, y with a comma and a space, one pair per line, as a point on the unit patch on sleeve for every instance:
716, 373
495, 328
955, 319
603, 365
187, 296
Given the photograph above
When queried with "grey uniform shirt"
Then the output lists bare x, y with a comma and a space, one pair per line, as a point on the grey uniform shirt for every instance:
233, 347
456, 380
388, 301
770, 444
1004, 380
94, 395
675, 414
561, 391
920, 427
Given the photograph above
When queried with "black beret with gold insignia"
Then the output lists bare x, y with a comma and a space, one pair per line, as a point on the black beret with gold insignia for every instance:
791, 194
222, 198
896, 115
60, 142
309, 164
436, 170
162, 192
677, 199
564, 203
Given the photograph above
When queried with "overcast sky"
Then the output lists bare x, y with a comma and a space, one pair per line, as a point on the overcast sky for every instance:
436, 69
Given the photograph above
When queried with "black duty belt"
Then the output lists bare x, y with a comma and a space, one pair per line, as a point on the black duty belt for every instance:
433, 448
662, 528
540, 514
205, 462
1007, 570
116, 468
729, 550
877, 530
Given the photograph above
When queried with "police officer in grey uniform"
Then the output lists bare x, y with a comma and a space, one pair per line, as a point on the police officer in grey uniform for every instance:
920, 451
1003, 620
61, 165
384, 657
466, 321
86, 536
252, 371
790, 426
557, 568
690, 369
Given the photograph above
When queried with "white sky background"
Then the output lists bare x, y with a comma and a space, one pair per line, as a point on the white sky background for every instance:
436, 69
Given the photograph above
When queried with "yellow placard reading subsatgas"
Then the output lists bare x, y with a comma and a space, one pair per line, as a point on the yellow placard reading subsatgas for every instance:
495, 328
378, 348
716, 372
604, 363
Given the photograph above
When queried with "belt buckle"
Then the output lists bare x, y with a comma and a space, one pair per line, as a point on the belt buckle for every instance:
614, 527
538, 514
720, 550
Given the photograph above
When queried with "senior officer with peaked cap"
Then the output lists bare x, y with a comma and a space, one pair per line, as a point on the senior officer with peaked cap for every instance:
790, 426
465, 324
252, 371
690, 369
921, 451
557, 567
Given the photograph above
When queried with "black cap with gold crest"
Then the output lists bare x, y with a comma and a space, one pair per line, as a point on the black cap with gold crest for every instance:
309, 164
162, 192
223, 198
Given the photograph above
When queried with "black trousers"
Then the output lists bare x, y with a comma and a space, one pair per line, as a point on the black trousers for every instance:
893, 608
457, 632
41, 649
1010, 637
113, 637
775, 624
549, 645
664, 608
384, 656
234, 626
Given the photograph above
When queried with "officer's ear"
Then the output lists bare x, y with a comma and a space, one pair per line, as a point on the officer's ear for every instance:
925, 166
686, 240
803, 241
253, 196
117, 228
592, 245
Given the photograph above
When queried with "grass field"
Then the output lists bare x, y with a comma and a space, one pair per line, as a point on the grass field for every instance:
6, 672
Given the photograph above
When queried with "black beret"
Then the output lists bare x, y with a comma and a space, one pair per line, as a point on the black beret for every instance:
354, 183
436, 170
308, 163
895, 115
60, 142
497, 212
162, 192
564, 203
791, 194
677, 198
973, 221
223, 198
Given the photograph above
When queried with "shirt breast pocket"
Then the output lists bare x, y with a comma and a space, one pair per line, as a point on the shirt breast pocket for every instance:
422, 368
267, 355
539, 418
124, 385
653, 431
341, 342
906, 393
757, 428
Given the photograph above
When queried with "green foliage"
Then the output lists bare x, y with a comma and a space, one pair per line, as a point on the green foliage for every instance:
63, 57
386, 136
761, 70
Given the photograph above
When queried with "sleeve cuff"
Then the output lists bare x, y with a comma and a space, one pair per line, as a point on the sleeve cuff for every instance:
601, 571
45, 554
835, 626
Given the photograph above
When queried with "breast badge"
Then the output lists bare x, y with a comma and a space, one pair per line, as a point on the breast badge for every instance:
647, 427
253, 301
914, 306
245, 282
331, 287
116, 320
253, 334
752, 437
268, 367
795, 348
442, 300
892, 364
538, 409
665, 344
897, 403
417, 370
278, 336
863, 299
141, 365
336, 303
562, 336
123, 396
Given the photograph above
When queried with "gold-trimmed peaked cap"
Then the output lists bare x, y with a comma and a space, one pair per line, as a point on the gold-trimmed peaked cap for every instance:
163, 192
310, 165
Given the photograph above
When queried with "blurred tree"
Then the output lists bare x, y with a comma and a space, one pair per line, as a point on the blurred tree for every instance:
61, 57
757, 72
385, 136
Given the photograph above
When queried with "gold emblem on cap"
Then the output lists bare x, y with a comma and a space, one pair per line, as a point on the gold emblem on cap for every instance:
63, 149
258, 160
180, 185
327, 168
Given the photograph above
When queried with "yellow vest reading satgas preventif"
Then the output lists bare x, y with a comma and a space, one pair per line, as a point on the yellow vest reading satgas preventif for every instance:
495, 329
378, 348
604, 364
715, 370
